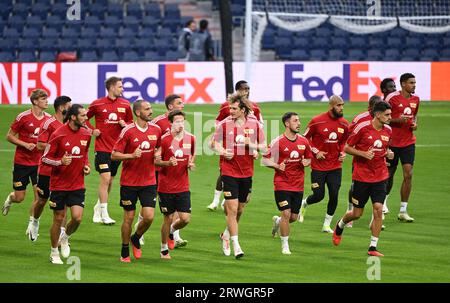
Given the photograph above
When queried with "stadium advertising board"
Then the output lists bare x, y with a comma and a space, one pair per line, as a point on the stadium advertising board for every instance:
204, 82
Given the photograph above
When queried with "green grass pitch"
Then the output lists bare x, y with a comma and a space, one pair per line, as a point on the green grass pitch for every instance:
416, 252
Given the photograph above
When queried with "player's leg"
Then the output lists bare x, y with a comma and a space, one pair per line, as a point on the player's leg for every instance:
183, 207
333, 181
21, 178
128, 217
217, 193
166, 205
104, 166
392, 168
407, 159
75, 201
58, 216
318, 188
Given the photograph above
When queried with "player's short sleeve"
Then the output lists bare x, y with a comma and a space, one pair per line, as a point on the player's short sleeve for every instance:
43, 135
308, 153
17, 125
354, 137
219, 132
121, 143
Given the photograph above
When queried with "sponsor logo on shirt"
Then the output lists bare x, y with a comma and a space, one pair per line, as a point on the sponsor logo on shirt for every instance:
301, 147
385, 138
145, 146
407, 111
240, 139
75, 150
121, 109
294, 154
413, 105
340, 130
83, 142
178, 153
151, 137
332, 138
112, 119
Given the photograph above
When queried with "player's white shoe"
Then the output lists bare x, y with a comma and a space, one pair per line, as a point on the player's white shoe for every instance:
275, 226
222, 205
213, 205
141, 239
65, 246
225, 245
238, 253
301, 216
6, 206
30, 224
285, 250
349, 224
181, 243
34, 231
107, 220
327, 229
385, 209
97, 218
55, 259
404, 217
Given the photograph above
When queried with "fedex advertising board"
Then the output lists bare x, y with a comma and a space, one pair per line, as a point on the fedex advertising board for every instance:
204, 82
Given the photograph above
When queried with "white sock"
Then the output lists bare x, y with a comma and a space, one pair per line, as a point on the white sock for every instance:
140, 218
226, 234
235, 241
217, 194
104, 209
403, 206
341, 224
8, 199
373, 241
31, 219
304, 204
385, 200
327, 220
63, 230
34, 219
284, 241
277, 222
176, 235
55, 251
164, 247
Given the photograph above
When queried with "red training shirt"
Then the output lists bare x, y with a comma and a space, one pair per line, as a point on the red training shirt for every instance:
224, 112
46, 130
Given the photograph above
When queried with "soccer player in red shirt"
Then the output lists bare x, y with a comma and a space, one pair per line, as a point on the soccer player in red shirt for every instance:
224, 111
172, 102
136, 148
61, 105
405, 106
23, 133
369, 145
327, 134
176, 156
288, 155
362, 117
67, 152
237, 139
112, 113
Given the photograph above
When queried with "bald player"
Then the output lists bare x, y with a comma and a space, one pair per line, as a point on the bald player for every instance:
327, 134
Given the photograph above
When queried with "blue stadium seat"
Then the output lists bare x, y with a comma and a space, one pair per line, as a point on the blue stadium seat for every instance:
301, 42
410, 54
51, 33
40, 9
132, 22
47, 56
16, 21
299, 55
59, 8
356, 55
55, 21
358, 42
172, 56
336, 55
283, 33
323, 32
26, 56
130, 56
165, 32
283, 42
88, 32
11, 32
48, 44
104, 44
115, 9
67, 44
7, 56
397, 32
113, 22
237, 10
93, 22
146, 32
36, 21
96, 9
320, 42
128, 32
85, 44
8, 45
109, 56
172, 11
339, 42
433, 41
149, 21
413, 42
395, 42
445, 53
430, 53
375, 54
108, 32
151, 56
317, 55
153, 10
88, 56
69, 32
376, 42
135, 10
173, 24
122, 45
392, 54
337, 32
31, 32
20, 9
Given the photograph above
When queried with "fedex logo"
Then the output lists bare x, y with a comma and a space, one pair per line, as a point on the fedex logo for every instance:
351, 83
17, 80
168, 81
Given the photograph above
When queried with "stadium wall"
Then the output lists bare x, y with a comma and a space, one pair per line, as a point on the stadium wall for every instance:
204, 82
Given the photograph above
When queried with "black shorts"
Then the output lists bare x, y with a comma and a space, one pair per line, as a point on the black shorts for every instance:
43, 186
289, 200
405, 154
22, 175
363, 190
170, 203
130, 194
236, 188
319, 178
104, 164
61, 199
